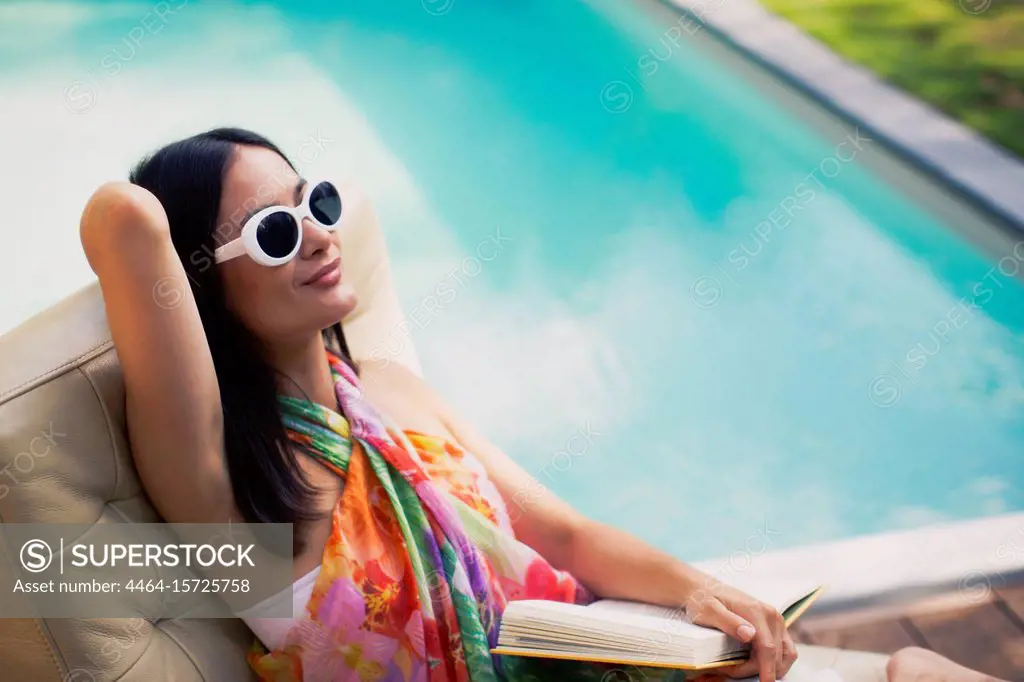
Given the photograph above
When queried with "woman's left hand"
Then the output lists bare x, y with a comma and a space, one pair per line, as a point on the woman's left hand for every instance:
748, 620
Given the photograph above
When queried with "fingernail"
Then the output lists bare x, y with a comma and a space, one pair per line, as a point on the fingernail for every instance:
746, 631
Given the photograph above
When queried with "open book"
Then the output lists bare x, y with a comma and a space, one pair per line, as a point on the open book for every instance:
623, 632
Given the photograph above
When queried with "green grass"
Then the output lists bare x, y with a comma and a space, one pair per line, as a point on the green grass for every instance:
970, 66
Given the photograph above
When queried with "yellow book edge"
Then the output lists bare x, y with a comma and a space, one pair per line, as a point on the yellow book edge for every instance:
790, 618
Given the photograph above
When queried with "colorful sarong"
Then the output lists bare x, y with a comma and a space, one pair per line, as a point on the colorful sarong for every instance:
420, 563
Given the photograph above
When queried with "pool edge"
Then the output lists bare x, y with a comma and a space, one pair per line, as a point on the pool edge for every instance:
981, 171
972, 557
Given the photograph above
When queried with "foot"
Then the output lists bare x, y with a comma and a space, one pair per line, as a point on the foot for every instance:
920, 665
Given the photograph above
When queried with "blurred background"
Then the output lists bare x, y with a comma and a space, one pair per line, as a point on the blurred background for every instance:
761, 317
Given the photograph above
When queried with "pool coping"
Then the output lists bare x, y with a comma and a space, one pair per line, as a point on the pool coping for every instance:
981, 171
972, 557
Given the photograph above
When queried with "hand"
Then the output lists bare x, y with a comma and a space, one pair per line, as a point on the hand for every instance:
717, 605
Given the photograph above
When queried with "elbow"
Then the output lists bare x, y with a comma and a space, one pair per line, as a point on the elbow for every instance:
120, 216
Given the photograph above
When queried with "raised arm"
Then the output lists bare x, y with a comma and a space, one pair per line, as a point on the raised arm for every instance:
174, 413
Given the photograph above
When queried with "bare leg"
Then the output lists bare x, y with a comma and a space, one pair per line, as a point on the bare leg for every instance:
920, 665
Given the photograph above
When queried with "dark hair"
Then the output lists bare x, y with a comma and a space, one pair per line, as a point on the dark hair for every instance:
187, 177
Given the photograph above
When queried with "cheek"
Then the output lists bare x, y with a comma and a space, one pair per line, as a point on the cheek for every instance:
258, 294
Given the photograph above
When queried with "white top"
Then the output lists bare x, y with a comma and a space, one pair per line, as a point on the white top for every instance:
272, 630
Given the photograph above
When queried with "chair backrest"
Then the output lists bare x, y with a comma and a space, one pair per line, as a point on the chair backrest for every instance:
64, 458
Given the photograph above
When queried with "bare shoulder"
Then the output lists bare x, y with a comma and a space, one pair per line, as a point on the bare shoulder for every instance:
404, 395
391, 375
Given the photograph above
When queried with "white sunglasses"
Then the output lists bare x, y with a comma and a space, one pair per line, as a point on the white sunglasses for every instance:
273, 235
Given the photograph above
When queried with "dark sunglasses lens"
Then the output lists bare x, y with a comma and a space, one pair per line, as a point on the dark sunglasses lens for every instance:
277, 234
325, 204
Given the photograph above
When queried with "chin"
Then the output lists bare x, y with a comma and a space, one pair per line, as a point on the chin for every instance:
337, 303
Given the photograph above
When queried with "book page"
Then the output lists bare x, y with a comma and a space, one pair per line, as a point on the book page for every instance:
781, 595
664, 619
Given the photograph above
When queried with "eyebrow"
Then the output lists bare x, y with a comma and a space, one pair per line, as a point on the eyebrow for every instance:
297, 194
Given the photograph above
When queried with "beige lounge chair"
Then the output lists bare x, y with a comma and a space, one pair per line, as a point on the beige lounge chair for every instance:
59, 370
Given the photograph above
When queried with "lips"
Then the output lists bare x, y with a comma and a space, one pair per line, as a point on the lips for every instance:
325, 273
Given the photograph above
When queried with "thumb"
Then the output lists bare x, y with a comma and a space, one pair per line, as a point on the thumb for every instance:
715, 614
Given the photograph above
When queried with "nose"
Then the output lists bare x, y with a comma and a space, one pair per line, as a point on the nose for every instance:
315, 239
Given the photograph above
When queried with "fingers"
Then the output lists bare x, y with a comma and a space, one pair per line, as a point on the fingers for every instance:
778, 627
765, 650
766, 659
789, 652
772, 649
714, 614
747, 669
762, 656
785, 648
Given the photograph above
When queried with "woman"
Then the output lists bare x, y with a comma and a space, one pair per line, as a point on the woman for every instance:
243, 404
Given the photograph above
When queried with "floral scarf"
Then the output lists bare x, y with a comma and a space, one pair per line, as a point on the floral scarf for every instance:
419, 565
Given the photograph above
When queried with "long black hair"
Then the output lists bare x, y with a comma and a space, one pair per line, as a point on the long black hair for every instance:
187, 177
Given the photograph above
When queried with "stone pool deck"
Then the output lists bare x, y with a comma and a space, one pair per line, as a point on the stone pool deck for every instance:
956, 588
982, 629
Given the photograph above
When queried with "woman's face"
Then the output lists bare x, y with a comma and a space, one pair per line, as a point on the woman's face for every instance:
287, 303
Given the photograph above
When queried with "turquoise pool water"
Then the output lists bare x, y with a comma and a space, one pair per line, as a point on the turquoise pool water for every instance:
690, 303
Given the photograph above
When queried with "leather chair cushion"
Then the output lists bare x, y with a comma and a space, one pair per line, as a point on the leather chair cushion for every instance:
64, 458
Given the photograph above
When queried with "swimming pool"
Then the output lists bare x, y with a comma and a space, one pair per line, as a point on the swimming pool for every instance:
691, 303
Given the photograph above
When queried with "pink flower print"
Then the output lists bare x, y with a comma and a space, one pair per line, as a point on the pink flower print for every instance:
335, 647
